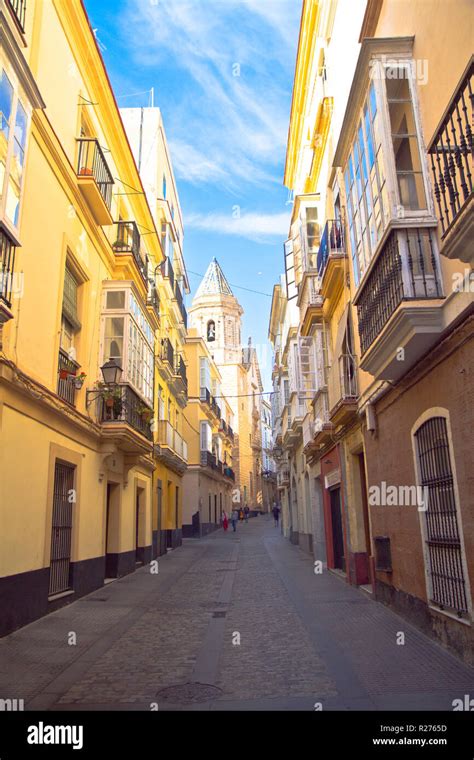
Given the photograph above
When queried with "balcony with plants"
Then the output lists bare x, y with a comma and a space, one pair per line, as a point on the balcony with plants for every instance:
95, 179
70, 380
123, 414
126, 240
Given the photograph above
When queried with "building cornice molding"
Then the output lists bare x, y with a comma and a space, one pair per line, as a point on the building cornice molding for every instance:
33, 390
310, 15
371, 17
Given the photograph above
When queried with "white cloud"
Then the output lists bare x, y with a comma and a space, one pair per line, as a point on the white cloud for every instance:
197, 167
253, 226
225, 128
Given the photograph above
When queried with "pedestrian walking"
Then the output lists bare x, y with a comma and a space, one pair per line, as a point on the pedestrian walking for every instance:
241, 515
276, 513
225, 521
246, 513
234, 519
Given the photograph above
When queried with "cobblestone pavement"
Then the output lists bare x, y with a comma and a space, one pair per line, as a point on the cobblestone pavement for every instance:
232, 621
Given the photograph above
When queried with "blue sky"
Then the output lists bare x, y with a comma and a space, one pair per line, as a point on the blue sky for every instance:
222, 73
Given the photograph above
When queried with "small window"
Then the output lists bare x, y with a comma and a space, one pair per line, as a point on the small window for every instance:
115, 299
164, 186
211, 331
114, 334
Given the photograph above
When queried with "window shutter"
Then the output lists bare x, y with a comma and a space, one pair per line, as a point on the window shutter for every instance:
204, 373
203, 436
70, 299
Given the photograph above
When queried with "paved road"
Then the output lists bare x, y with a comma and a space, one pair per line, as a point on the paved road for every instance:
233, 621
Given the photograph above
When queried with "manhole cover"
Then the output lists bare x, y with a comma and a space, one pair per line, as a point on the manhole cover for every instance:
219, 614
187, 693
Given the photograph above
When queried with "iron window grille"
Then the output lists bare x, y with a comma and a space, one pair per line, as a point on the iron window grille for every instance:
442, 536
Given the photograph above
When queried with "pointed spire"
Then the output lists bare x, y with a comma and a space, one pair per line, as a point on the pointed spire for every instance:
213, 282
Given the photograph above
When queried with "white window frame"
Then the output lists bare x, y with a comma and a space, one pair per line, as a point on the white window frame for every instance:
409, 64
133, 322
389, 216
18, 96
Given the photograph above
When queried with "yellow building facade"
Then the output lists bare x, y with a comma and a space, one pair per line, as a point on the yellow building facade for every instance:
89, 387
146, 134
209, 480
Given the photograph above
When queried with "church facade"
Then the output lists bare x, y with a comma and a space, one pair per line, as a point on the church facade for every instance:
215, 315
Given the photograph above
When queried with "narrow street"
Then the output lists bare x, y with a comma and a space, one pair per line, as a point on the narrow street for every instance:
170, 640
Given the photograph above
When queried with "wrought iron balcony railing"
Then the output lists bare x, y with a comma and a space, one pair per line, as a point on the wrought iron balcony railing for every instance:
229, 473
208, 460
7, 261
167, 271
451, 155
348, 376
283, 477
18, 8
332, 241
91, 163
127, 239
67, 370
230, 433
181, 306
180, 370
153, 300
406, 270
215, 407
205, 396
167, 351
321, 412
127, 407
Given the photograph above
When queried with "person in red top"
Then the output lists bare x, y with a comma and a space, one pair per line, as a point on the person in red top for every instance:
225, 522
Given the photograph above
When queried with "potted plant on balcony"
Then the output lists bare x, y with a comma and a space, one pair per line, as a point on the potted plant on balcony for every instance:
112, 398
145, 413
79, 380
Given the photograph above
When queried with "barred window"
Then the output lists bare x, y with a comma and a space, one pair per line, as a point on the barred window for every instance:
447, 587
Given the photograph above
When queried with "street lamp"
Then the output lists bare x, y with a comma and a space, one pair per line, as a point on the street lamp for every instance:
111, 372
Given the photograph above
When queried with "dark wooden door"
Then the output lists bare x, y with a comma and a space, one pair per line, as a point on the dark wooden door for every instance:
337, 534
